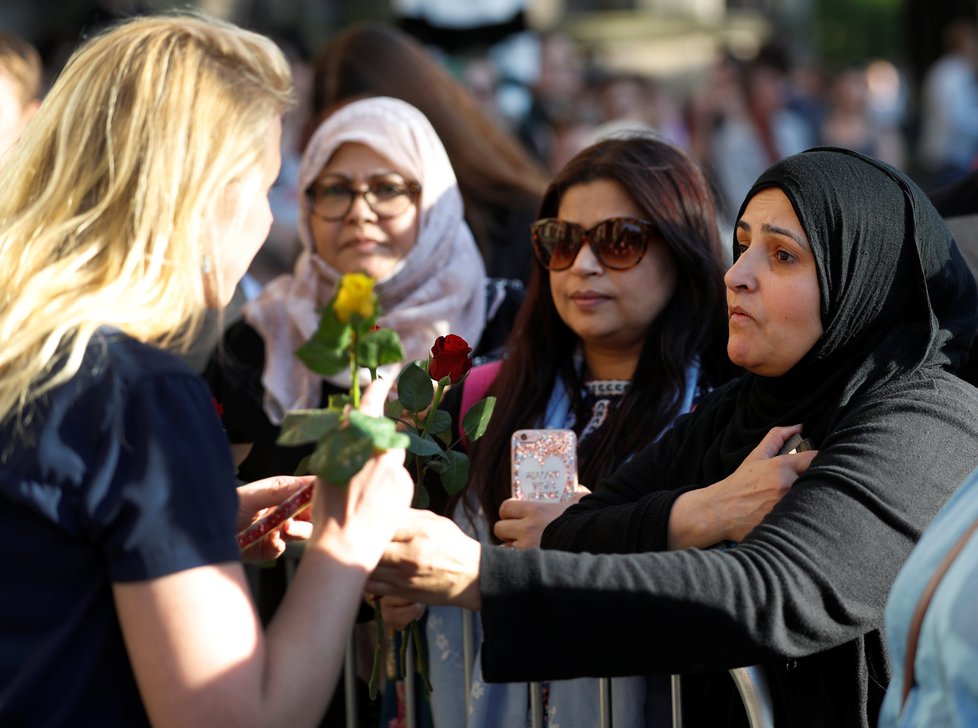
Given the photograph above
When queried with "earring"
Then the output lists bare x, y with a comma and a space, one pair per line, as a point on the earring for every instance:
205, 264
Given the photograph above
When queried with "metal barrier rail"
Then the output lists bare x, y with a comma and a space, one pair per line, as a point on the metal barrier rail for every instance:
755, 694
350, 682
750, 681
676, 697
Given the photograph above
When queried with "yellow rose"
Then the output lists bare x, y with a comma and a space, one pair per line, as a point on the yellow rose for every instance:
355, 296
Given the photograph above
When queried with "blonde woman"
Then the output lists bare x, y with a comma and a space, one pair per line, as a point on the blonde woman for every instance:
134, 201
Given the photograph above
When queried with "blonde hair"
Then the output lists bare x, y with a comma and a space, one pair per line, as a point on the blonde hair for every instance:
104, 216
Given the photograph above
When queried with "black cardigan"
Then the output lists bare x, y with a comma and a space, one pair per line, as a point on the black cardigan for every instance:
803, 594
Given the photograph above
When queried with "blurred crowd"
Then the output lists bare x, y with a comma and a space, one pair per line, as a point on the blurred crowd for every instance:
513, 105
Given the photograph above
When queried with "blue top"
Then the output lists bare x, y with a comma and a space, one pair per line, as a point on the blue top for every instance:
946, 666
120, 475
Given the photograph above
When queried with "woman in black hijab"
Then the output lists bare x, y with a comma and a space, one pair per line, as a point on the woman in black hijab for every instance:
850, 307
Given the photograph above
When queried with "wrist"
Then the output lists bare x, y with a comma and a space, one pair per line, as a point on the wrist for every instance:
349, 545
470, 596
691, 521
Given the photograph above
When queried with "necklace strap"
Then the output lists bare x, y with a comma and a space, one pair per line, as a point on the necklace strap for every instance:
607, 387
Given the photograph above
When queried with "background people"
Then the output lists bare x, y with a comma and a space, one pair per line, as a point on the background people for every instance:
754, 128
499, 181
957, 203
21, 74
948, 144
851, 123
378, 195
820, 316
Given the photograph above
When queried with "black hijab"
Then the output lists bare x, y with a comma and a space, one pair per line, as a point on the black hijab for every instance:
896, 296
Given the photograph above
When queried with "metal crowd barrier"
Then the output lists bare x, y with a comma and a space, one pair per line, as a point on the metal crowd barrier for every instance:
350, 682
750, 682
755, 694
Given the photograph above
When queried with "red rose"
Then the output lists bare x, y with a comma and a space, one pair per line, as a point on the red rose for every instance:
449, 358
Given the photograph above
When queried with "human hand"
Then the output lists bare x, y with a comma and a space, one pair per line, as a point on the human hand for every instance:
398, 612
522, 522
430, 560
257, 499
731, 508
356, 522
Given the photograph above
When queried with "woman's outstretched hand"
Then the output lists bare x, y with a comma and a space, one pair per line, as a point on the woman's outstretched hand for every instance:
430, 560
731, 508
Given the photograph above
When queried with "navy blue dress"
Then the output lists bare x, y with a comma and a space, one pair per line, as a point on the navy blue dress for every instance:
123, 474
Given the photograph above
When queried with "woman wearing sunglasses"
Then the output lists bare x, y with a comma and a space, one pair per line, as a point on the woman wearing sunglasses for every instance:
851, 308
621, 329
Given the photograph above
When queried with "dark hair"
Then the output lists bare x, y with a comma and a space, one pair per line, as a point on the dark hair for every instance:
673, 193
492, 167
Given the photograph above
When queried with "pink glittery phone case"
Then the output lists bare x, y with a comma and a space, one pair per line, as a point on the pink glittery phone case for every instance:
544, 464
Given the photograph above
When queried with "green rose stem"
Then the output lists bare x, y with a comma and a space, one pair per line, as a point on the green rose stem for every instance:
430, 417
420, 665
382, 630
336, 344
419, 656
380, 633
428, 420
354, 372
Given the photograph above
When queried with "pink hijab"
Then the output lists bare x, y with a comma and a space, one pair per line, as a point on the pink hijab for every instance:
436, 289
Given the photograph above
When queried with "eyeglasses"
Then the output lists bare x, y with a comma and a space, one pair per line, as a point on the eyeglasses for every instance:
388, 196
618, 242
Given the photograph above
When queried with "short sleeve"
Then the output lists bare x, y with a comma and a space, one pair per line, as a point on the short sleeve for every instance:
162, 497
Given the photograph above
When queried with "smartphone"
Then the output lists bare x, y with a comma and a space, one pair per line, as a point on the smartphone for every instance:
544, 464
795, 444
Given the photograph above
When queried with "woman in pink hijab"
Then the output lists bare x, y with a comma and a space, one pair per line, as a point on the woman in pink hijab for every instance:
378, 196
